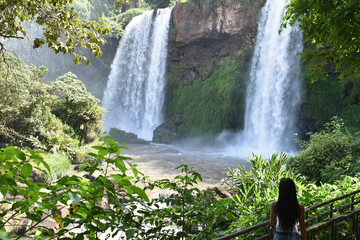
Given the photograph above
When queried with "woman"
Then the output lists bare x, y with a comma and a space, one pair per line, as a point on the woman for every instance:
286, 212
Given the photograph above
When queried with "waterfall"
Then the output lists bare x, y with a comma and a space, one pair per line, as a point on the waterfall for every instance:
274, 88
134, 92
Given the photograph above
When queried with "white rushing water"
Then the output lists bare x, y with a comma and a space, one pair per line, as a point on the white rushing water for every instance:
134, 94
274, 88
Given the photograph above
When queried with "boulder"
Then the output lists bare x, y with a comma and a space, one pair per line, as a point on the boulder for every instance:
166, 133
124, 137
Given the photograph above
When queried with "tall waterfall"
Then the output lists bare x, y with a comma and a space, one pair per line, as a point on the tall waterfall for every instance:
274, 89
134, 92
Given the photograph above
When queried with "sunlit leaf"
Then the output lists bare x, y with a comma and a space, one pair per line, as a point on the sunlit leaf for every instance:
75, 197
26, 169
120, 164
140, 192
20, 154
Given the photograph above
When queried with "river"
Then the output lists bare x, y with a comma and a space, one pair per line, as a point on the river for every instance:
158, 161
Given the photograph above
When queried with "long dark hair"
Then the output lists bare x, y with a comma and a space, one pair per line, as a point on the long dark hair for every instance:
288, 208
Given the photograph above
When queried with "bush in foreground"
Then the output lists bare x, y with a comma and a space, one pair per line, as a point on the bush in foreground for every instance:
329, 154
113, 205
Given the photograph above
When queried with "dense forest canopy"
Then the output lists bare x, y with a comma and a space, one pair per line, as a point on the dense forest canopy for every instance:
332, 33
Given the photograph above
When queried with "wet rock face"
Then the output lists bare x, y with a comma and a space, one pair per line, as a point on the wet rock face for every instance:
203, 34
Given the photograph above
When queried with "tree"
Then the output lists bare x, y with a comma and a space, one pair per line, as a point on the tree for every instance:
63, 30
59, 116
332, 33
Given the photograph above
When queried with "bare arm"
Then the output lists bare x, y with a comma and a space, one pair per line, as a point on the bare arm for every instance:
302, 223
273, 213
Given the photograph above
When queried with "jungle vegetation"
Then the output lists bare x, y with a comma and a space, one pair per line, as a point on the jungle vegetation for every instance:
45, 127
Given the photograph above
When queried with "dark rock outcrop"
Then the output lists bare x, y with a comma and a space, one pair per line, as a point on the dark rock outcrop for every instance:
166, 133
123, 137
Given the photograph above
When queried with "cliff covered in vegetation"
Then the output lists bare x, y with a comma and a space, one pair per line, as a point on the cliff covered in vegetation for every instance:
209, 55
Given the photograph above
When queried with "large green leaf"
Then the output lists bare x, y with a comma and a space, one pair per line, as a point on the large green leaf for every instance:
20, 154
3, 235
120, 165
26, 169
140, 192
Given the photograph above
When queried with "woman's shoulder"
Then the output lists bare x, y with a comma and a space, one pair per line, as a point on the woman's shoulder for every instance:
273, 207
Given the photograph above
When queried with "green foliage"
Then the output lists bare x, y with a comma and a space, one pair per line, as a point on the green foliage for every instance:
84, 9
173, 33
49, 117
324, 99
126, 17
97, 209
76, 107
321, 101
26, 118
329, 154
262, 174
115, 17
159, 3
81, 153
63, 30
332, 31
82, 197
59, 166
350, 90
119, 21
190, 213
210, 105
310, 194
256, 189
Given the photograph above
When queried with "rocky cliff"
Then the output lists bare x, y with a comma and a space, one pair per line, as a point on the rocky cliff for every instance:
203, 34
209, 55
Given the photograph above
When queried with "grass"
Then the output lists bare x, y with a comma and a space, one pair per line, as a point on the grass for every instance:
59, 165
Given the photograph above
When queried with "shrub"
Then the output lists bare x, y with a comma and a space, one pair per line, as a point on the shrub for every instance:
59, 166
52, 117
25, 114
96, 209
328, 154
76, 107
83, 198
119, 21
256, 189
190, 213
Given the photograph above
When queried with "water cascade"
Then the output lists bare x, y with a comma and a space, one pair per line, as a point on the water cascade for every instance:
274, 88
134, 92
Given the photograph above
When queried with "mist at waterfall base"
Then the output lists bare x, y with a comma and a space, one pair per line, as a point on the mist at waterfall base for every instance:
273, 91
134, 93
